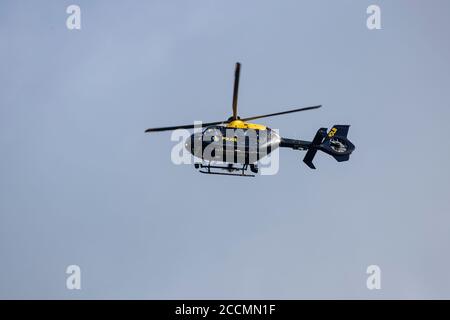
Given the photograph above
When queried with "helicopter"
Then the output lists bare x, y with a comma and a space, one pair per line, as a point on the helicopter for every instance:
234, 146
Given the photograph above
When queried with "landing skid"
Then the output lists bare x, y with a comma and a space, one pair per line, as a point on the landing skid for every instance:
232, 170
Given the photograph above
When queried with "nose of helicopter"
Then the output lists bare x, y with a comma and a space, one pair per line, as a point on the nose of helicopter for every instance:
188, 144
193, 143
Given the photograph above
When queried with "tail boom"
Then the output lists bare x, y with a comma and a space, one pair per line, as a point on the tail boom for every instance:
334, 143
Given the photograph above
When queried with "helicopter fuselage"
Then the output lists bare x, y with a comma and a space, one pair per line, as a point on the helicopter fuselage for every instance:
244, 143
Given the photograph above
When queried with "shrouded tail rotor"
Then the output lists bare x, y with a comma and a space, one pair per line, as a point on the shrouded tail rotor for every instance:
335, 143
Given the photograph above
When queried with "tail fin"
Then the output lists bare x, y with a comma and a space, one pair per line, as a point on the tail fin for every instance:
312, 150
335, 143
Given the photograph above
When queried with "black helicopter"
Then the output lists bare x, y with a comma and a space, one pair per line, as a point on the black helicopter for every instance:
233, 146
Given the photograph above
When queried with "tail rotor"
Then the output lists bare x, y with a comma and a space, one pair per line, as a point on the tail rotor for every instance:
334, 143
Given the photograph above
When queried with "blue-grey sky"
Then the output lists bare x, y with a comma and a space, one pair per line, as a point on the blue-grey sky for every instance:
80, 182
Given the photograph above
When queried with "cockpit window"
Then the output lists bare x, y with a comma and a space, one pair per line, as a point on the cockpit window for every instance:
212, 134
212, 129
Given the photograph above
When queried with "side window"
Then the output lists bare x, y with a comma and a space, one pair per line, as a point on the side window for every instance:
251, 136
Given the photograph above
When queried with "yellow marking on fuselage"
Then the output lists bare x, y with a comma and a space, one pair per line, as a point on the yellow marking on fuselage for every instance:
232, 139
239, 124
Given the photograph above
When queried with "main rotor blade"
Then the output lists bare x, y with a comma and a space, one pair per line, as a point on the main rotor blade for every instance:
206, 124
280, 113
237, 73
187, 126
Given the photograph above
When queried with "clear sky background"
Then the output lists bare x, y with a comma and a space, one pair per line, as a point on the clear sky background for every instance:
80, 182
